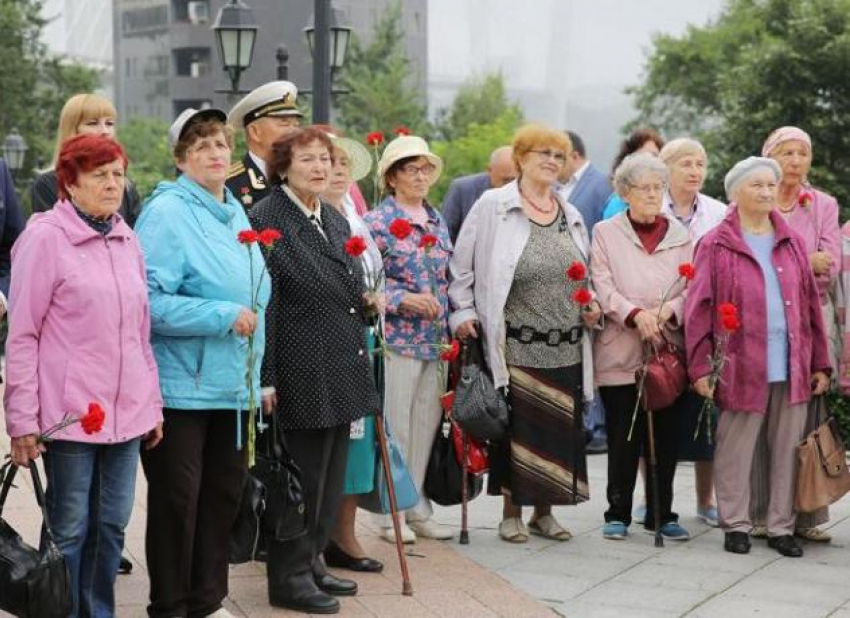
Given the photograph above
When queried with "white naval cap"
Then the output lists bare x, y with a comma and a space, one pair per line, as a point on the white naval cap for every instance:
271, 99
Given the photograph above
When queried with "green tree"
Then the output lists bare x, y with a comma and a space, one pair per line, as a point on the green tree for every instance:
35, 83
480, 100
470, 153
760, 65
382, 93
146, 143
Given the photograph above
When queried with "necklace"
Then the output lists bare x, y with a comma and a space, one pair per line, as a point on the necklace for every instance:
535, 206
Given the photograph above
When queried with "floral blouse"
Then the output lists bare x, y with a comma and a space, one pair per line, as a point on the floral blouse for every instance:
410, 268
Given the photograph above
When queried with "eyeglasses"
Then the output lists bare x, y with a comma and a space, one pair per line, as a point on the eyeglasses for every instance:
412, 170
560, 157
647, 189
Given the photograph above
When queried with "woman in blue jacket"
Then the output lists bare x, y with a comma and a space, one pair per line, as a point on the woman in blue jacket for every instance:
202, 314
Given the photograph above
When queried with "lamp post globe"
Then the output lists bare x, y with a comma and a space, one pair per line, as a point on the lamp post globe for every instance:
235, 30
14, 150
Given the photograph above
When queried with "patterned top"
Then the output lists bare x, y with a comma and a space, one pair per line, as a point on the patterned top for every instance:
540, 297
408, 268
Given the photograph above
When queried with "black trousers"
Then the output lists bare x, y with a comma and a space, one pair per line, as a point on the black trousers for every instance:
623, 455
322, 455
195, 478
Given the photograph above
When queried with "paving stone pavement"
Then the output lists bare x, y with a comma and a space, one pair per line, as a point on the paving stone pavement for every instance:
587, 577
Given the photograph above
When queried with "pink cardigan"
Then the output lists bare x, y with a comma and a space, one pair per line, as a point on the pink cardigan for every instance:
727, 271
626, 277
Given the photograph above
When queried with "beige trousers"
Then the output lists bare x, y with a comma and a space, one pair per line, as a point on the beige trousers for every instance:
737, 436
413, 412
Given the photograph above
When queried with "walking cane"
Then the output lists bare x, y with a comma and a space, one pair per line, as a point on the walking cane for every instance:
406, 586
653, 473
464, 492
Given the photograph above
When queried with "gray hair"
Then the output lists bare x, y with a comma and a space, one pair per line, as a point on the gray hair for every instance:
681, 147
633, 167
746, 168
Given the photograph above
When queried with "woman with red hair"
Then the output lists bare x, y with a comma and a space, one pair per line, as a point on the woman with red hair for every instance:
79, 335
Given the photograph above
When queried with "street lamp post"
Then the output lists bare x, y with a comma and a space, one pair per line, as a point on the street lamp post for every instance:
14, 150
282, 56
236, 32
327, 38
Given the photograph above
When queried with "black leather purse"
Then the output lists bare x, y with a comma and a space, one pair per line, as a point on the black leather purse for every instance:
444, 475
34, 583
479, 409
272, 500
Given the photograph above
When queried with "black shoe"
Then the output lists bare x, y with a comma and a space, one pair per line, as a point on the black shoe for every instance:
737, 542
300, 593
336, 557
785, 545
125, 567
336, 586
596, 446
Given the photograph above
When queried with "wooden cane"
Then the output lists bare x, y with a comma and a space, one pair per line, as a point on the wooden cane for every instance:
653, 473
406, 586
464, 491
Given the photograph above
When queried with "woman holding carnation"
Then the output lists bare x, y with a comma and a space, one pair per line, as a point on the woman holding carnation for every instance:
638, 260
316, 371
351, 162
519, 280
79, 338
775, 361
203, 317
415, 242
814, 215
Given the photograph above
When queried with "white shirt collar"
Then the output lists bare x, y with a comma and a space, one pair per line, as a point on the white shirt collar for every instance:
310, 214
259, 162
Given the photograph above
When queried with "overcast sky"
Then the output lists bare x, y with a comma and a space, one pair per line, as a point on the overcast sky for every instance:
566, 61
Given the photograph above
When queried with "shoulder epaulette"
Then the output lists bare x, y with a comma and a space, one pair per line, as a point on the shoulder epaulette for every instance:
236, 169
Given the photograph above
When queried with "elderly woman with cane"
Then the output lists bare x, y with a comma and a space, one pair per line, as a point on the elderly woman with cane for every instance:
776, 359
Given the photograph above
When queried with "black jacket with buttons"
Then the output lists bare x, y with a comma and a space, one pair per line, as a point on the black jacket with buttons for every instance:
316, 355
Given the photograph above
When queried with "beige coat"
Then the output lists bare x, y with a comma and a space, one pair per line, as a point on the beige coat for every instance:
482, 267
626, 277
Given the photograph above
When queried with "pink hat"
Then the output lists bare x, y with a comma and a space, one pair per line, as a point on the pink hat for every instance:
784, 134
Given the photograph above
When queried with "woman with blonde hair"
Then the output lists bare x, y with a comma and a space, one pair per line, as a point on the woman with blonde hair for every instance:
83, 114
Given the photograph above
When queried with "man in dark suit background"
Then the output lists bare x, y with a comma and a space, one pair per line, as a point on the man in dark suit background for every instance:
464, 191
586, 188
11, 225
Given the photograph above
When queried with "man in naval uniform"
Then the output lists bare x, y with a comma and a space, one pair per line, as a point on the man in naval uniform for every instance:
266, 114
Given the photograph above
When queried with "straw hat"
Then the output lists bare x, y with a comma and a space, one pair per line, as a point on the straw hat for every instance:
358, 156
404, 147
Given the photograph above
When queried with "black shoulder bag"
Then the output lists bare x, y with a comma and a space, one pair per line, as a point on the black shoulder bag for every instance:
34, 583
479, 409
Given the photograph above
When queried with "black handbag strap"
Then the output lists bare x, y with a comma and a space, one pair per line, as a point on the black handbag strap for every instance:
273, 450
8, 472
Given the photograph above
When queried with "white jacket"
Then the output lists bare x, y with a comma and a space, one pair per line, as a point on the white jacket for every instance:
482, 267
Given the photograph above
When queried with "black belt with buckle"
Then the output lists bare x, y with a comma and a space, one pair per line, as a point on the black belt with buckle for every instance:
553, 337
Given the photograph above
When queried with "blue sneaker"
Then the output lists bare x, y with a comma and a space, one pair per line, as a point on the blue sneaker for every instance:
615, 530
672, 531
709, 516
639, 514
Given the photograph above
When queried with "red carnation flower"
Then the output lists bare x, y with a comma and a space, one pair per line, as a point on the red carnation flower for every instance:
400, 228
582, 296
427, 241
402, 130
451, 351
355, 246
730, 322
577, 272
92, 421
269, 236
687, 271
727, 309
375, 138
247, 237
805, 199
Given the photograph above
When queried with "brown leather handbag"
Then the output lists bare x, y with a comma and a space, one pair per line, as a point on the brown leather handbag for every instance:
664, 375
822, 475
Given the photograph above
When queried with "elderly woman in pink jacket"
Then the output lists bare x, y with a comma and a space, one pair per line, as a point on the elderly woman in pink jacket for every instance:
79, 331
775, 361
634, 261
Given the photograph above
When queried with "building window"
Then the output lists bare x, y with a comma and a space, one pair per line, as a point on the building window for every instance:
190, 11
192, 61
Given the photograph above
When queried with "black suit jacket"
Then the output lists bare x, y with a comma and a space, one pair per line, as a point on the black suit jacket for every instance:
247, 182
316, 355
11, 225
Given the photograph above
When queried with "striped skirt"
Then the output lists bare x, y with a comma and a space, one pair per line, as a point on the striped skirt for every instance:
542, 460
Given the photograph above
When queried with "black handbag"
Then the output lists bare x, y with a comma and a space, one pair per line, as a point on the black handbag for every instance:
444, 476
479, 409
34, 583
272, 500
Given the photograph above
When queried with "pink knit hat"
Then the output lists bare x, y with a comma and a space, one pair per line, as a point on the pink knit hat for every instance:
784, 134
